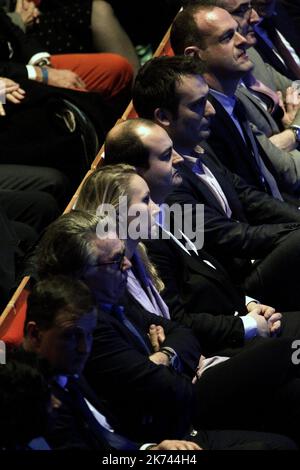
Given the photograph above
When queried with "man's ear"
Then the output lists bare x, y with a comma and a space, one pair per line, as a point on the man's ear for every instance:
33, 333
162, 117
193, 51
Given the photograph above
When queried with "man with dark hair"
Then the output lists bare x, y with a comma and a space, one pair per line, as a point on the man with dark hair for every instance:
266, 230
194, 281
145, 145
160, 397
61, 318
266, 154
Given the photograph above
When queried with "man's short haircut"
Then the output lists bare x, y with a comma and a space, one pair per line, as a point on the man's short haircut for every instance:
67, 244
55, 295
128, 147
184, 30
156, 81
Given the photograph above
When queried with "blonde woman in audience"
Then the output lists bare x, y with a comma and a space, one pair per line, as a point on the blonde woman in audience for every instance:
121, 187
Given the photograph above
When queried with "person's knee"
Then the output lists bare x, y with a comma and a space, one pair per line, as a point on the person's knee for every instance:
42, 209
120, 74
122, 70
26, 235
57, 185
102, 8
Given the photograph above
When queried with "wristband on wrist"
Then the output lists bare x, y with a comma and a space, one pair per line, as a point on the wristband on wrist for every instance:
45, 75
296, 132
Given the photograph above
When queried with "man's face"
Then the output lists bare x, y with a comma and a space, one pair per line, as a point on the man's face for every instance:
67, 344
163, 159
245, 14
105, 272
265, 8
224, 52
191, 125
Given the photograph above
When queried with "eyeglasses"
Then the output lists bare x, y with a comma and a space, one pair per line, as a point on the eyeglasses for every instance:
243, 11
118, 262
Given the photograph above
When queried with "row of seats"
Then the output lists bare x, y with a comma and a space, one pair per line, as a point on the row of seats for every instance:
13, 316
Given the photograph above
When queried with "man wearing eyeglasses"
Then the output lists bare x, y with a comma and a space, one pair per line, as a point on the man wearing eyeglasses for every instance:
154, 400
151, 401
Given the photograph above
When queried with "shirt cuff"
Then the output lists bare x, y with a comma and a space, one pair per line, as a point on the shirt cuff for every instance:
250, 299
250, 326
173, 357
39, 56
145, 446
31, 72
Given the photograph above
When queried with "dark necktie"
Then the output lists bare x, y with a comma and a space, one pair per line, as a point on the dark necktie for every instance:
266, 177
110, 438
119, 312
281, 48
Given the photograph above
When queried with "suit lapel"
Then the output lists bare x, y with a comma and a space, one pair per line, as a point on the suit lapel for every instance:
223, 121
270, 57
245, 95
198, 264
240, 159
224, 128
210, 160
228, 125
201, 187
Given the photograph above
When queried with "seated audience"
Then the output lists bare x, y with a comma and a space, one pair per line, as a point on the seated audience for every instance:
165, 90
60, 321
263, 162
64, 114
157, 371
72, 27
194, 282
122, 188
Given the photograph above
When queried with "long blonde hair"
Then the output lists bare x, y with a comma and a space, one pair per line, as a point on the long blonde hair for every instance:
105, 186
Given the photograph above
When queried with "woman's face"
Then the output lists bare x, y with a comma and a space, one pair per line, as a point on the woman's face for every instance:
142, 210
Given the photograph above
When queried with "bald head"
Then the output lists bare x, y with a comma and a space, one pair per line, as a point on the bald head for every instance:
185, 31
125, 143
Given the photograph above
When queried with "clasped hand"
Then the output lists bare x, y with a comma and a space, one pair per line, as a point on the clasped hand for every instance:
267, 319
157, 337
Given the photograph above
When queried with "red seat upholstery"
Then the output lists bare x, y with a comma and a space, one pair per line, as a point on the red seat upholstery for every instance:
13, 318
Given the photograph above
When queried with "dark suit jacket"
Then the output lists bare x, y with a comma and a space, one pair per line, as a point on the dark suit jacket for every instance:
192, 287
293, 9
8, 252
257, 223
271, 58
284, 24
70, 428
233, 152
17, 53
150, 401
